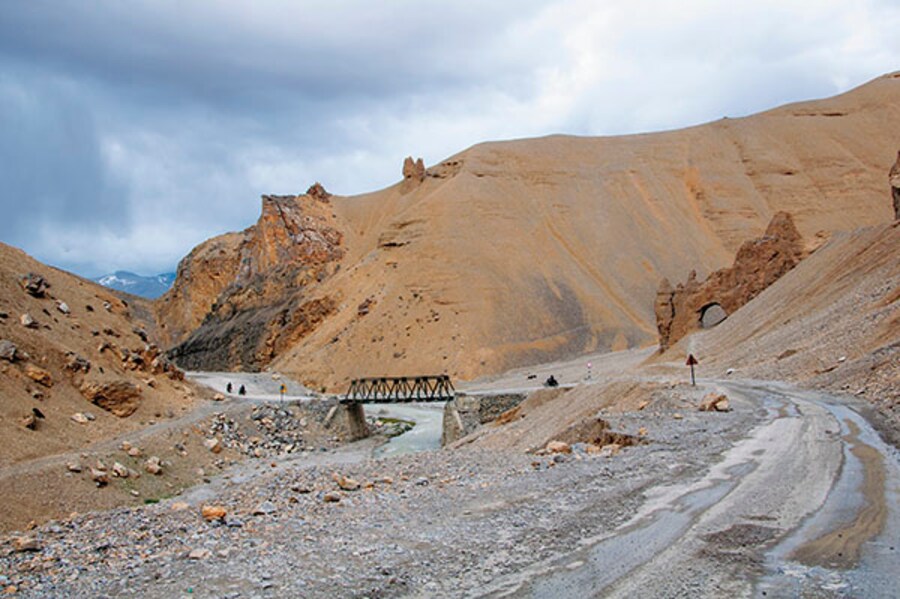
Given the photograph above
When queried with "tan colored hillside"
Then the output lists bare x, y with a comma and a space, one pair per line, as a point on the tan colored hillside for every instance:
525, 251
82, 352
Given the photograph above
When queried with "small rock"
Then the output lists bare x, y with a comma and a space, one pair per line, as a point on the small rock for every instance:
265, 508
8, 350
199, 554
135, 452
90, 416
421, 482
611, 449
62, 307
22, 544
73, 467
100, 477
28, 322
558, 447
120, 470
213, 512
677, 416
331, 497
79, 418
214, 445
29, 421
179, 506
714, 403
153, 465
218, 397
38, 375
345, 483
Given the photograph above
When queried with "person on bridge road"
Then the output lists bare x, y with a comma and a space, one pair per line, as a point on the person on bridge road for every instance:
242, 391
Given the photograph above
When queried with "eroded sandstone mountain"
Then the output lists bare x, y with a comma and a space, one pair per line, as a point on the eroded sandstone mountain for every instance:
524, 251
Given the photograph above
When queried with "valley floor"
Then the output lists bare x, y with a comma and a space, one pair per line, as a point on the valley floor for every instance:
790, 493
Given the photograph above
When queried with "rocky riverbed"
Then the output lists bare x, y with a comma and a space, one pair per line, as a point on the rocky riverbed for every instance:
445, 522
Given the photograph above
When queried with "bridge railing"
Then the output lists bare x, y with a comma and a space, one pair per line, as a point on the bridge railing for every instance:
400, 389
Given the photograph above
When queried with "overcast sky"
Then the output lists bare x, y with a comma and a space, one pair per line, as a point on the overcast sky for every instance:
132, 131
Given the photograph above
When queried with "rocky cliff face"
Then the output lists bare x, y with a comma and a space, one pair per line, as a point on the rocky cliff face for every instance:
243, 297
759, 263
895, 186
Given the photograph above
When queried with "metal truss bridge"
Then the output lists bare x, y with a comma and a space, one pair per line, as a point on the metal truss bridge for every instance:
400, 389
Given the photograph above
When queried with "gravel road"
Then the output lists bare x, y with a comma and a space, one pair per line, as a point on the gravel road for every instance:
791, 493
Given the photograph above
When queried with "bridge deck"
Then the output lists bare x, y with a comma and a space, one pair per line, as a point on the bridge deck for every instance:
400, 389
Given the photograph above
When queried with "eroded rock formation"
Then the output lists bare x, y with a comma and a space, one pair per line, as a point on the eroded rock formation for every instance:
759, 263
241, 297
414, 170
895, 186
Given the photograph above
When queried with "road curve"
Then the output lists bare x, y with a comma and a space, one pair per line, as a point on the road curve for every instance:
805, 505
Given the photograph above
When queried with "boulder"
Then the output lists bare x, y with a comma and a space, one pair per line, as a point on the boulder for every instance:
8, 350
79, 417
38, 375
212, 513
34, 284
120, 470
199, 554
218, 397
63, 307
331, 497
119, 397
29, 421
28, 322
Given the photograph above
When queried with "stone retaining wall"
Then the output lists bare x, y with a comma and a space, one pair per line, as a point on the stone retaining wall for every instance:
466, 413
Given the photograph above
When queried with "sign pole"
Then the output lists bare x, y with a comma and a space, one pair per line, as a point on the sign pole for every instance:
691, 361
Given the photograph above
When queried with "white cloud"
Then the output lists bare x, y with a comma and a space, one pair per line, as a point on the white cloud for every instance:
201, 107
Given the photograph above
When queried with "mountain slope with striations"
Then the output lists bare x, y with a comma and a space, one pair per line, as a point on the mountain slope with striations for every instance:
525, 251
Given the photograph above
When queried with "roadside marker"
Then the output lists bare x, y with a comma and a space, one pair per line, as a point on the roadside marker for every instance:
691, 360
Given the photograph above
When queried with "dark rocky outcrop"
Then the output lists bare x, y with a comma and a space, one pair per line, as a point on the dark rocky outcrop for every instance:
895, 186
759, 263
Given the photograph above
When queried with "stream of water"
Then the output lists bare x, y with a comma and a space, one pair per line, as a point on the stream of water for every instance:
425, 435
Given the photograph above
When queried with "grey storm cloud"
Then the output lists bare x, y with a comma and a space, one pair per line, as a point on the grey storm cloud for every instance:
131, 131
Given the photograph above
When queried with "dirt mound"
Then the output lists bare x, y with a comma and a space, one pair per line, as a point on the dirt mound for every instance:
528, 251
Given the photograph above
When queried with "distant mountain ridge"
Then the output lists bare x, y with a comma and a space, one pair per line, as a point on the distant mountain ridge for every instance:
149, 287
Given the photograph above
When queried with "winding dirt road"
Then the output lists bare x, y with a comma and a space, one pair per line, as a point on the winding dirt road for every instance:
806, 505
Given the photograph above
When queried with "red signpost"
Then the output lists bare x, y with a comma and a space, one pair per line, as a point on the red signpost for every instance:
691, 360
